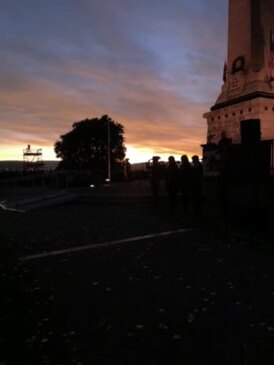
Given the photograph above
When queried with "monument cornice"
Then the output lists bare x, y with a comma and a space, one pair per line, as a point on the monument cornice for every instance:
240, 99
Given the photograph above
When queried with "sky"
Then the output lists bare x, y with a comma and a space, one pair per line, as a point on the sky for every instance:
155, 66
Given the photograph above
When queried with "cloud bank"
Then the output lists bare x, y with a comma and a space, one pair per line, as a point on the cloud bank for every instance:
155, 66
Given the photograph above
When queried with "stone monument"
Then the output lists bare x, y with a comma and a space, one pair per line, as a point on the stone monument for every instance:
248, 79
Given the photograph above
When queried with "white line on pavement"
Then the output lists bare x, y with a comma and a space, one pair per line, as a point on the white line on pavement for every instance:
4, 207
103, 244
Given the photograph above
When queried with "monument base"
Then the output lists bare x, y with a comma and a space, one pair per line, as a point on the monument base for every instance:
227, 117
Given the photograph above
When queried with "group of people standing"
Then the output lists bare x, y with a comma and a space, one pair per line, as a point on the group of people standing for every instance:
186, 179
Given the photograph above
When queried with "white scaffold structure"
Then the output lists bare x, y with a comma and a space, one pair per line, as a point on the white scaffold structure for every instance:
32, 159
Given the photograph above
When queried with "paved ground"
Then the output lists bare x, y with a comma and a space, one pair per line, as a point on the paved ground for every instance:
199, 296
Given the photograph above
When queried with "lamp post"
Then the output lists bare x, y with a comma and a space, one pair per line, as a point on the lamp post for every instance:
109, 164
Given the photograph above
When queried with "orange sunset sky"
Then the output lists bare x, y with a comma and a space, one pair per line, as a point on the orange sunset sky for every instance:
153, 65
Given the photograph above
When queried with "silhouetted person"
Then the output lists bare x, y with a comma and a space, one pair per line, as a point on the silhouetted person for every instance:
155, 177
127, 171
196, 184
185, 181
224, 149
224, 140
172, 180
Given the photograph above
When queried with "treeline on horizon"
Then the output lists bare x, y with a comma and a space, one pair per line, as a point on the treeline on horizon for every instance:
17, 165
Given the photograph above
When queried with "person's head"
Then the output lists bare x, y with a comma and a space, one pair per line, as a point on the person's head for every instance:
171, 161
223, 134
184, 160
155, 159
195, 159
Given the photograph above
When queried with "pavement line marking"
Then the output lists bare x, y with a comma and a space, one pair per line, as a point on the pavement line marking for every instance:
103, 244
4, 207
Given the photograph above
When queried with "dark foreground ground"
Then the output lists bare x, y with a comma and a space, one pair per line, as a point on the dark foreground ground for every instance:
199, 296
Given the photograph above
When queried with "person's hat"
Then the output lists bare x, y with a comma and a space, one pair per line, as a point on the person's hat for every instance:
156, 158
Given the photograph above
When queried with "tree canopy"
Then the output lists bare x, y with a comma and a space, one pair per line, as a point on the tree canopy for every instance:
86, 145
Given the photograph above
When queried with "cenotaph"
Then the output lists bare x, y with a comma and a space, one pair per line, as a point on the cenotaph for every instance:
248, 80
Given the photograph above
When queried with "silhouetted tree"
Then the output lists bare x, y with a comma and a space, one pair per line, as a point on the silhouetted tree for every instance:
86, 145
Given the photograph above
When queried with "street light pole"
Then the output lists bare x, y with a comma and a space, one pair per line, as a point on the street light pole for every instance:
109, 164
